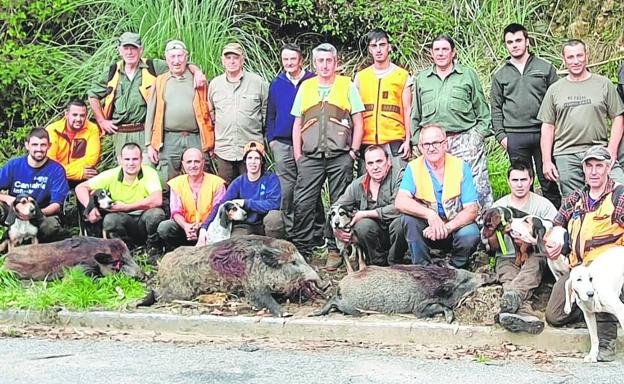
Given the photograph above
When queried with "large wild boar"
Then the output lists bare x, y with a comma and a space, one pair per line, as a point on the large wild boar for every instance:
256, 266
424, 291
96, 256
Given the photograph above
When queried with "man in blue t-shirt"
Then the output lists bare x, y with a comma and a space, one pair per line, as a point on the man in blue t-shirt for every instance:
438, 200
41, 178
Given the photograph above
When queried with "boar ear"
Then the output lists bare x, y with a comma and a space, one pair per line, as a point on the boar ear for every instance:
104, 258
444, 290
270, 256
569, 296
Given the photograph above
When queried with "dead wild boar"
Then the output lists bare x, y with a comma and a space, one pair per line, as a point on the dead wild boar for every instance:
96, 256
424, 291
256, 266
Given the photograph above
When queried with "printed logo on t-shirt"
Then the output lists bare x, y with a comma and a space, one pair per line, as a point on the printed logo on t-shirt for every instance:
38, 183
576, 101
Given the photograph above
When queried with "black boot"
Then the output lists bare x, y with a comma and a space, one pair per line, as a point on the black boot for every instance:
607, 336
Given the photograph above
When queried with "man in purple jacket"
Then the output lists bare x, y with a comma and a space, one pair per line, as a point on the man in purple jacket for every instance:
279, 124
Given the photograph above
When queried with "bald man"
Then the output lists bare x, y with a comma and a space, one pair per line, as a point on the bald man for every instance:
193, 194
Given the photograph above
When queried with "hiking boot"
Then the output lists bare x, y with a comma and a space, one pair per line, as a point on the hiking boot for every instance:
521, 323
510, 302
606, 350
607, 335
334, 260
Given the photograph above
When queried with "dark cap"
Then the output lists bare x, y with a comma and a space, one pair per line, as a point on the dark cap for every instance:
597, 152
130, 38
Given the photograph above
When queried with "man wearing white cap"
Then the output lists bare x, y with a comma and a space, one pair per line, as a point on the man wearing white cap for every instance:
177, 115
238, 99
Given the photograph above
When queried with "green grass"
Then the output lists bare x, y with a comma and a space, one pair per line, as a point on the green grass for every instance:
75, 291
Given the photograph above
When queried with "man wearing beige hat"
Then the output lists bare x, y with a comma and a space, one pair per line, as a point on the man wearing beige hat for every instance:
238, 100
119, 95
177, 115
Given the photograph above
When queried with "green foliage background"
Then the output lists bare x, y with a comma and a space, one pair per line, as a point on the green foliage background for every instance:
51, 49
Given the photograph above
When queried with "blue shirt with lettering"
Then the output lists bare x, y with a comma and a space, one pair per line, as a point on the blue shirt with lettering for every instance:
46, 184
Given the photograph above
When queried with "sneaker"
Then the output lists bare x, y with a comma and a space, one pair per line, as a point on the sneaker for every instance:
518, 323
334, 260
510, 302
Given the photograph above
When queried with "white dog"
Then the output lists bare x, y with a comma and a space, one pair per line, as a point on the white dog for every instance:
597, 288
221, 226
340, 218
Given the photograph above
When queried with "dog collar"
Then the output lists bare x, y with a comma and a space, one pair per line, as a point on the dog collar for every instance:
501, 242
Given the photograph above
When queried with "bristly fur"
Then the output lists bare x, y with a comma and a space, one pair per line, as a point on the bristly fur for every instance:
228, 261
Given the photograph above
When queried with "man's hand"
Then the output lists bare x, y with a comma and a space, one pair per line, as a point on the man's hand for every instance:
190, 229
405, 150
118, 206
202, 237
550, 171
94, 216
359, 215
343, 236
152, 154
199, 80
553, 249
503, 143
436, 229
89, 172
107, 126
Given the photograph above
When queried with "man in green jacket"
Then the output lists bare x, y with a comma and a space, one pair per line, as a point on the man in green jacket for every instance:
449, 95
518, 88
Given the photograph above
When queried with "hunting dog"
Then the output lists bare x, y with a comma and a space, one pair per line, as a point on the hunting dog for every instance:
597, 288
340, 218
23, 219
221, 227
496, 223
100, 199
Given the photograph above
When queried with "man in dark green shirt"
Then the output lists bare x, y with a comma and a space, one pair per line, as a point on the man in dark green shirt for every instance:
449, 95
518, 88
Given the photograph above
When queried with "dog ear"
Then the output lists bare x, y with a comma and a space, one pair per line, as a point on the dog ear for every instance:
223, 214
570, 298
539, 230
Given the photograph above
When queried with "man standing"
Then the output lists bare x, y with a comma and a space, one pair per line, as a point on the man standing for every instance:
593, 217
177, 115
124, 89
387, 97
327, 134
438, 200
450, 94
574, 116
519, 282
137, 195
193, 195
518, 88
75, 143
279, 123
238, 99
376, 225
43, 179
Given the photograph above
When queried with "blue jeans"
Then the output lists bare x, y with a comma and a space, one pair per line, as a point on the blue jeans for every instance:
461, 243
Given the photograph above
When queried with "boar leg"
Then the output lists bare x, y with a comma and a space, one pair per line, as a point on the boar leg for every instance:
434, 309
339, 305
265, 300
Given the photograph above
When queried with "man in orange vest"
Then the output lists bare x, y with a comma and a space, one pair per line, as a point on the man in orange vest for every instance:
177, 115
119, 96
385, 89
192, 197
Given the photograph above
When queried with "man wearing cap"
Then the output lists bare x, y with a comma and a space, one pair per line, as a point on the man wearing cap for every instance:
574, 116
192, 197
119, 96
594, 218
327, 134
238, 100
177, 115
258, 192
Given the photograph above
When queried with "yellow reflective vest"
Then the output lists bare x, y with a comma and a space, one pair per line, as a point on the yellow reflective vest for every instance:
196, 211
148, 77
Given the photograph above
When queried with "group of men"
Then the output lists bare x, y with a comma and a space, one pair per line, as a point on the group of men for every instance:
167, 123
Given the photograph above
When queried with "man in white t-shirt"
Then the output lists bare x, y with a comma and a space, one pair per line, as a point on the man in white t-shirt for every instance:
520, 281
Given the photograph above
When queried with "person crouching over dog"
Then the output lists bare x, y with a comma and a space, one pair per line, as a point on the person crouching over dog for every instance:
258, 192
594, 218
192, 197
137, 198
375, 225
438, 202
519, 281
41, 178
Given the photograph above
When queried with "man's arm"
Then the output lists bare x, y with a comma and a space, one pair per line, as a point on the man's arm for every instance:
154, 200
271, 115
406, 99
96, 93
416, 114
264, 98
358, 131
617, 130
51, 209
546, 144
199, 79
466, 216
152, 153
296, 137
480, 107
496, 103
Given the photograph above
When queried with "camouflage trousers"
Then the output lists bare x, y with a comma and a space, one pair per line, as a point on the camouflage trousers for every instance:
470, 147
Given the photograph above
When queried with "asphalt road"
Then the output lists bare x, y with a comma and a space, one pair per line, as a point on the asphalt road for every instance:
25, 360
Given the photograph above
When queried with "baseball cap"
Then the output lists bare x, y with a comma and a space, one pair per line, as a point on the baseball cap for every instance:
254, 146
233, 48
130, 38
175, 44
597, 152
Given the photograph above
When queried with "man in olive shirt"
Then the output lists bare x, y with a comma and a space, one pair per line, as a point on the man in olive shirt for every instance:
450, 95
574, 116
119, 96
238, 99
518, 88
177, 115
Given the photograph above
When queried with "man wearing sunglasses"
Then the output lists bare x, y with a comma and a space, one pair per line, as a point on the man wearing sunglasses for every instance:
438, 201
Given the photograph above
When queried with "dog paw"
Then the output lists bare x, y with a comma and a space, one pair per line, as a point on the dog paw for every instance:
591, 358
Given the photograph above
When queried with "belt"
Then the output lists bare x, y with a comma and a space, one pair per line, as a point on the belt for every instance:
451, 134
129, 128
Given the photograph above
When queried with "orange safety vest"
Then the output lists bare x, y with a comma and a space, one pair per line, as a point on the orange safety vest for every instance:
76, 152
196, 211
148, 77
200, 107
383, 103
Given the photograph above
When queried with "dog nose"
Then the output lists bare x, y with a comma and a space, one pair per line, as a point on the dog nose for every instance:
590, 294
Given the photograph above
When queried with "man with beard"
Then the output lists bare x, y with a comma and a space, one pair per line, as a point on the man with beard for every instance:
41, 178
518, 88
